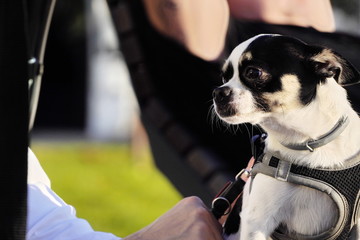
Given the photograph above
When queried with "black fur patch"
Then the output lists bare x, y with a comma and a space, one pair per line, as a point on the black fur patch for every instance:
227, 73
277, 56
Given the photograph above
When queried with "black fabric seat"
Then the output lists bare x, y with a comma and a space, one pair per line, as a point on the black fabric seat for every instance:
174, 89
176, 115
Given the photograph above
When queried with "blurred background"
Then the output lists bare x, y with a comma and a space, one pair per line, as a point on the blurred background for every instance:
87, 134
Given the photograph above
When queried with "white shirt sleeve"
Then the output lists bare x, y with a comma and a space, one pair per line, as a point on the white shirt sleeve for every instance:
49, 217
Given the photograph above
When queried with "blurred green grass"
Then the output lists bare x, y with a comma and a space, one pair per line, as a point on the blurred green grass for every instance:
114, 189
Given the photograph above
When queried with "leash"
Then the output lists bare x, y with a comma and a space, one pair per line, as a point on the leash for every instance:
222, 203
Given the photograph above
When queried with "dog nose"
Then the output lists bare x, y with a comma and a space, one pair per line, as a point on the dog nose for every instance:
222, 95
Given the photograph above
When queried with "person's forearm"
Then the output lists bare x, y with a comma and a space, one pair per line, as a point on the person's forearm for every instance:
306, 13
199, 25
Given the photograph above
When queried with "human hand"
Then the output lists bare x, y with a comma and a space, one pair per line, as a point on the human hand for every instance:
189, 219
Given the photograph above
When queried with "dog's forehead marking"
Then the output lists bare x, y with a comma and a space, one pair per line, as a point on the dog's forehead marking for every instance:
246, 56
238, 51
227, 71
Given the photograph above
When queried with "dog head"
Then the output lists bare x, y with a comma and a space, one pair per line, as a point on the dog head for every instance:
271, 74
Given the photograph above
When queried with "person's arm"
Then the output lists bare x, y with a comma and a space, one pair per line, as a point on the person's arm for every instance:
200, 25
306, 13
49, 217
189, 219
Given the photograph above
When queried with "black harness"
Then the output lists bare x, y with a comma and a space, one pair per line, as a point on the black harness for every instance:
341, 184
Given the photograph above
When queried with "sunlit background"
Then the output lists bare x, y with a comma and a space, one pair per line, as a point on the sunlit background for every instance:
87, 134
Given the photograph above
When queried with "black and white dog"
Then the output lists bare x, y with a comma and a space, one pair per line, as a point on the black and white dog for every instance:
294, 92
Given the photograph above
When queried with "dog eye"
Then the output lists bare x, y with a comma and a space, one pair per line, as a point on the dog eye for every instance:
253, 73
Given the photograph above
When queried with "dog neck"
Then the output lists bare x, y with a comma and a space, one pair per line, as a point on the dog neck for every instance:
313, 122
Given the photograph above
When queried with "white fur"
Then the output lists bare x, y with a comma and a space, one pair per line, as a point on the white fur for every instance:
270, 201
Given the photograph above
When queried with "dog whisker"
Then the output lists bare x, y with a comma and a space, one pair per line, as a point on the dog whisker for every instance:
211, 117
215, 121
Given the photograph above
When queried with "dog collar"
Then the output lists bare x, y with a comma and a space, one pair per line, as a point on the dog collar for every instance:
322, 140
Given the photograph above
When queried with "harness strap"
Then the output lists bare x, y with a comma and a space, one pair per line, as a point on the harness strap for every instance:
354, 234
329, 181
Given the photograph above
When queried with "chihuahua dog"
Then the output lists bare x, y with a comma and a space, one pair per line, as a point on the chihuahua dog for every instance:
294, 92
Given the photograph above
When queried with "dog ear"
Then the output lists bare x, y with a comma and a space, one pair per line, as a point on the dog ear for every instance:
327, 64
